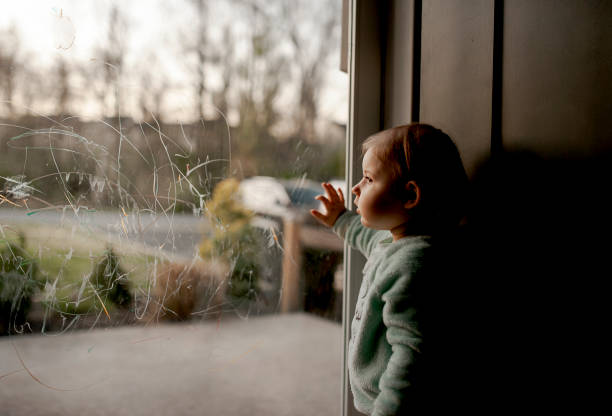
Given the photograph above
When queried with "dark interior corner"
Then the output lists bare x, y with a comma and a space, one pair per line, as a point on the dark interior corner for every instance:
532, 301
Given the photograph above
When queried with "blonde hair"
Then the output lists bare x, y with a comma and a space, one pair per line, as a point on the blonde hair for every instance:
428, 156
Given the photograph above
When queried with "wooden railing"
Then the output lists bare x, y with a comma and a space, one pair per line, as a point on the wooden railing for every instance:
298, 235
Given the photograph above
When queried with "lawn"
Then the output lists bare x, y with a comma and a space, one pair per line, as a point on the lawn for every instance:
67, 259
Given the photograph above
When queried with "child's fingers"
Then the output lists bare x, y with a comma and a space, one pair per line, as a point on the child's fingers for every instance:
327, 191
338, 197
322, 198
318, 216
331, 192
326, 202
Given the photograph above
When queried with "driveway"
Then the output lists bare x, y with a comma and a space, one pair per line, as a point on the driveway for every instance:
177, 235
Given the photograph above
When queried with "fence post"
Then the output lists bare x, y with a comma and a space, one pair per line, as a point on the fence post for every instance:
291, 294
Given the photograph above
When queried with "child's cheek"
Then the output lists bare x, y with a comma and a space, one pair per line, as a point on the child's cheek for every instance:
382, 202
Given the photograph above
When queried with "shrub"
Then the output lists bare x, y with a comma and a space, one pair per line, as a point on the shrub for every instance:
18, 283
234, 241
182, 289
110, 281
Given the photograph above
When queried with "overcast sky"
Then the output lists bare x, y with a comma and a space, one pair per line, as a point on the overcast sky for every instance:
73, 28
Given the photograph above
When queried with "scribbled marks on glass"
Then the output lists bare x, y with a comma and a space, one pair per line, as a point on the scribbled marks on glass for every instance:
122, 153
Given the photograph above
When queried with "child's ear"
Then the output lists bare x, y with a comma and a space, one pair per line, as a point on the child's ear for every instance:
413, 194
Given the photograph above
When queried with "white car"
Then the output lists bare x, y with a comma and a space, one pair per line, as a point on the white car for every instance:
264, 195
276, 197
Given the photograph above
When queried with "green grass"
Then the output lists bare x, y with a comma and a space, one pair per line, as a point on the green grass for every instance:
66, 258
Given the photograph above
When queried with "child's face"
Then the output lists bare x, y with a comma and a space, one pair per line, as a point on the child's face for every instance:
377, 199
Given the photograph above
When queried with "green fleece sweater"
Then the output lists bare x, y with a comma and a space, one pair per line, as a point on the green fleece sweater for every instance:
385, 334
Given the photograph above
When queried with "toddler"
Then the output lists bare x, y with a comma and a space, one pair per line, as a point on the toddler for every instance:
411, 194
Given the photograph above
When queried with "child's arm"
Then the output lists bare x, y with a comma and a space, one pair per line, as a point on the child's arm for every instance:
345, 223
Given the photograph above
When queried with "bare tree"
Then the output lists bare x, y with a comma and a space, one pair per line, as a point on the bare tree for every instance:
9, 66
225, 59
64, 94
199, 45
112, 56
30, 86
310, 51
152, 89
259, 76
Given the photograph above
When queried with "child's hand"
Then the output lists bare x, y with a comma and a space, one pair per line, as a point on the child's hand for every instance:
334, 205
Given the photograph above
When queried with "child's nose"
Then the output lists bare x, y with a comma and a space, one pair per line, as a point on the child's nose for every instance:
355, 190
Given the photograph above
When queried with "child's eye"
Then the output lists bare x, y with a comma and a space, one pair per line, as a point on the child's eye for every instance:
367, 178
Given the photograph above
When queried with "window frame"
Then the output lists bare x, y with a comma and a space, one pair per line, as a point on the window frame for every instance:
365, 69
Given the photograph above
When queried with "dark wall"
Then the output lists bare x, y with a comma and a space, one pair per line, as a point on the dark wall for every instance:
557, 83
457, 73
525, 89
